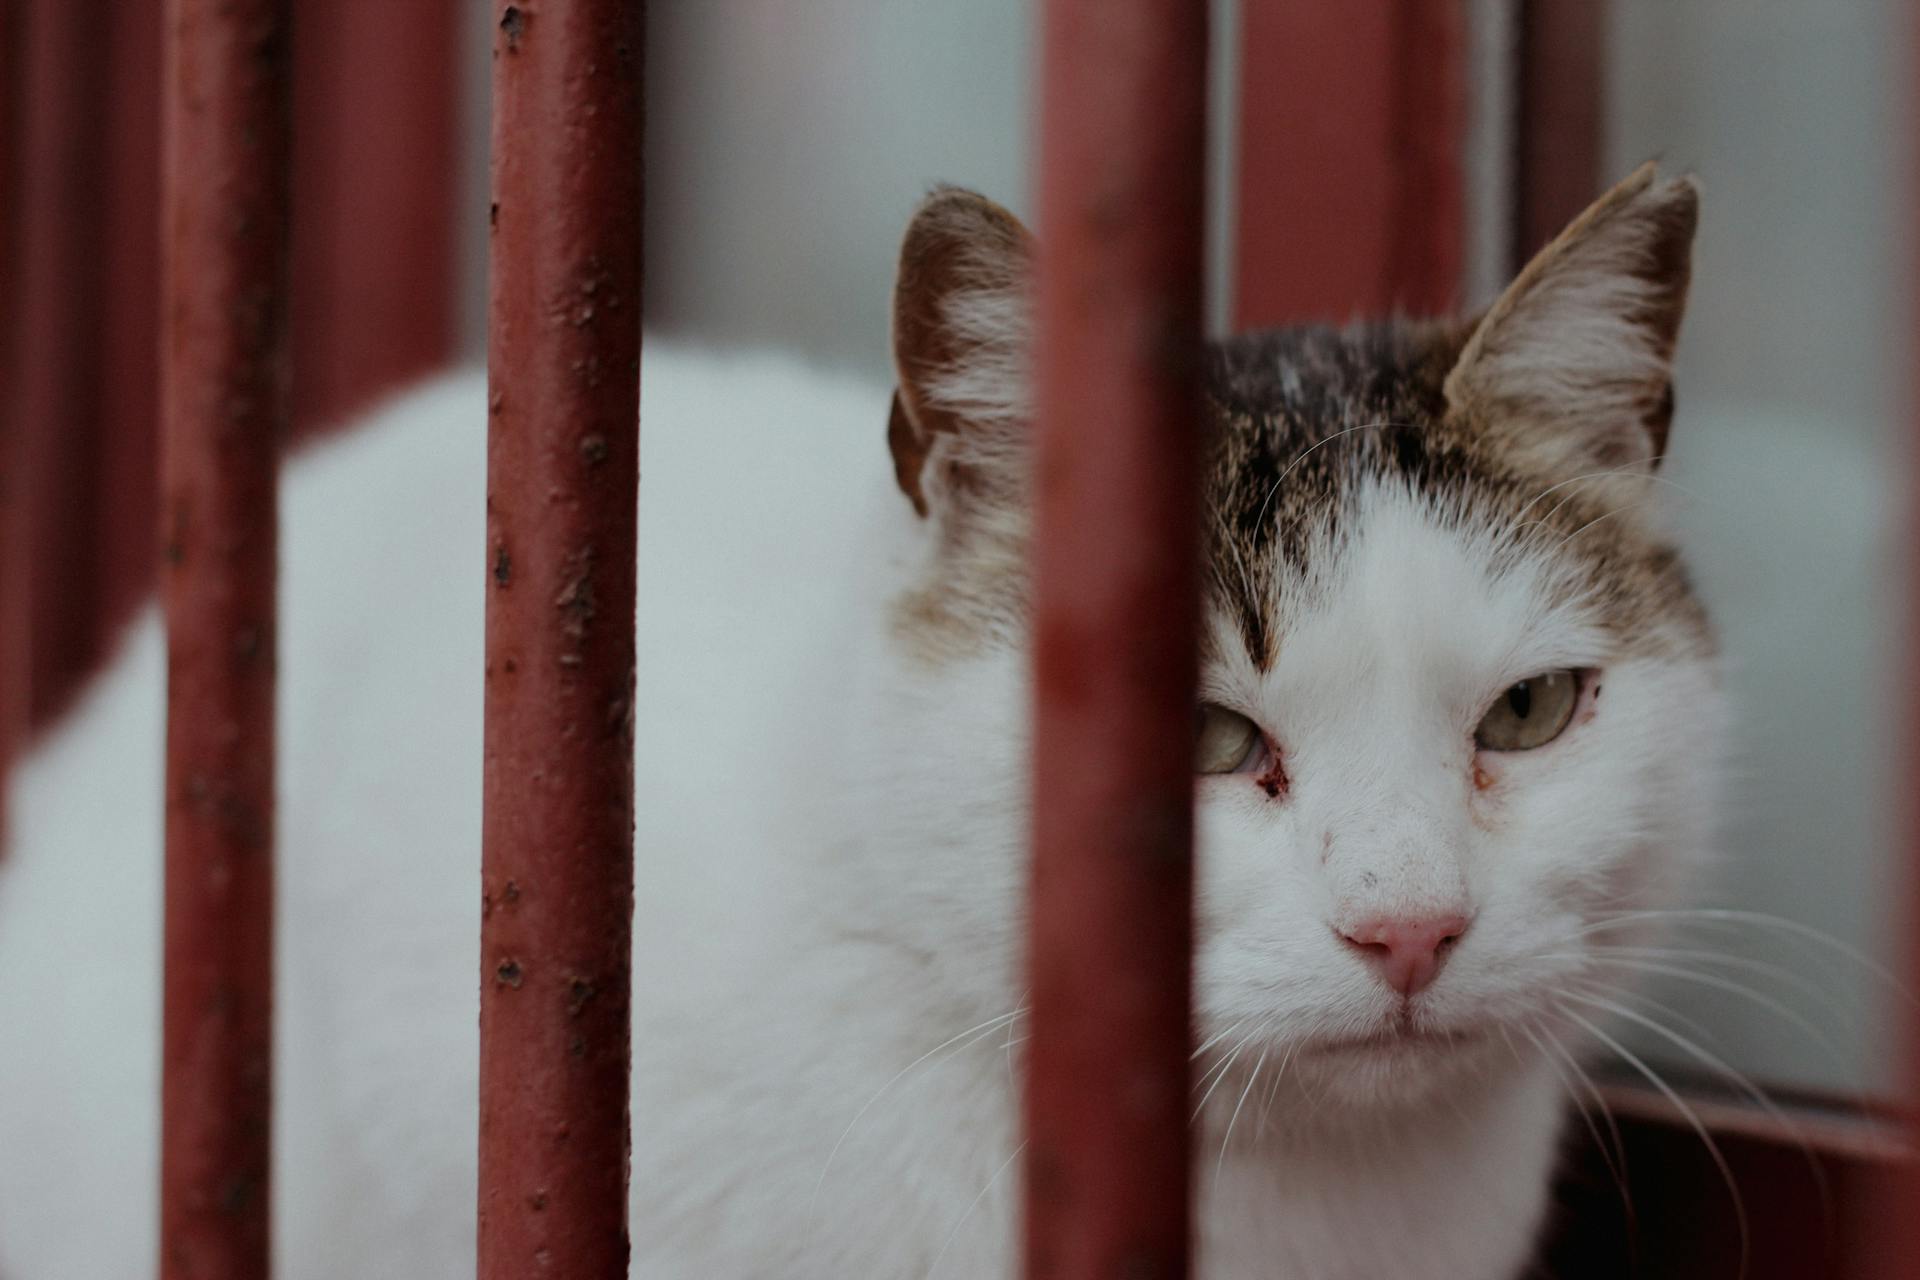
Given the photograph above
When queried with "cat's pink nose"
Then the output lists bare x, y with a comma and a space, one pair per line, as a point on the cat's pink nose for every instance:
1407, 951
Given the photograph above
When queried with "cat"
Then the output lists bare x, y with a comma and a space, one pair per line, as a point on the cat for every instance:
1460, 721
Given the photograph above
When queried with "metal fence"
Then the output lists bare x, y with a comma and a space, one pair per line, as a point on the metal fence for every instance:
1122, 121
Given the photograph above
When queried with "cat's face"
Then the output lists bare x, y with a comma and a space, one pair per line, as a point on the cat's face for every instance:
1458, 702
1463, 708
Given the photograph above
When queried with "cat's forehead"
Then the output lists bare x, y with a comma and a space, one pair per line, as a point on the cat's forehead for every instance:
1412, 607
1314, 373
1313, 424
1303, 415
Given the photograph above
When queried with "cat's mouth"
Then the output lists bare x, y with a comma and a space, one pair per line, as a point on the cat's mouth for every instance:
1403, 1035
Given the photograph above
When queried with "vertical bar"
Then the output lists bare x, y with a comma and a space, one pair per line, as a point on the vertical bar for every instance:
1352, 127
377, 100
1559, 130
81, 403
562, 485
53, 402
1896, 1231
1428, 249
125, 352
373, 282
1116, 558
14, 565
224, 414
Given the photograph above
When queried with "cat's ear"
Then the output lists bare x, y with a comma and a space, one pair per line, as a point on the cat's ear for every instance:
962, 333
1573, 365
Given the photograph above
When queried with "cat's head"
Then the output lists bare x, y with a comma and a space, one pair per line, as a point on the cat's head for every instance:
1459, 701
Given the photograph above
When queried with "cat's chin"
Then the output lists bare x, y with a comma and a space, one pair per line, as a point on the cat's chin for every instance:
1402, 1062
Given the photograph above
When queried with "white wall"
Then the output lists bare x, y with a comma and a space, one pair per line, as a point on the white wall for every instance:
1791, 436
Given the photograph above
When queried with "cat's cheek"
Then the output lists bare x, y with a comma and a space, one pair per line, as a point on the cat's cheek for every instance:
1240, 794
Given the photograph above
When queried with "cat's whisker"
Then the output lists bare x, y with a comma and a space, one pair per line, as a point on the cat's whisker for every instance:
1259, 520
1555, 488
1821, 1038
1218, 1066
1012, 1039
1556, 1056
1221, 1060
1011, 1044
1219, 1074
1216, 1038
1692, 1025
1217, 1071
1635, 471
1619, 510
1764, 968
1246, 579
1758, 920
1227, 1137
954, 1234
954, 1043
1273, 1087
1719, 1067
1545, 521
1692, 1117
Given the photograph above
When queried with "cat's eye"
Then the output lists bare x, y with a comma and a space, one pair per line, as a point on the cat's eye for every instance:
1226, 741
1530, 714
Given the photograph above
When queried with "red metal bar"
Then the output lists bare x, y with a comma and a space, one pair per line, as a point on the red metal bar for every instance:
1898, 1233
1116, 555
1559, 127
1351, 196
562, 484
224, 415
15, 637
54, 400
376, 107
376, 100
124, 436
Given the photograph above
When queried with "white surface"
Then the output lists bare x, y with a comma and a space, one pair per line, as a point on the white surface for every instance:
1792, 429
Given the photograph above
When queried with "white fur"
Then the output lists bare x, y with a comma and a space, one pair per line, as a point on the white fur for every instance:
830, 845
991, 383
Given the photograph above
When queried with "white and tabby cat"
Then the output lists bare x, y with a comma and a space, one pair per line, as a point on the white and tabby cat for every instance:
1460, 716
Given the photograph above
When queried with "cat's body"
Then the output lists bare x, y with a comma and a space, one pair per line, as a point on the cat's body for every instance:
831, 825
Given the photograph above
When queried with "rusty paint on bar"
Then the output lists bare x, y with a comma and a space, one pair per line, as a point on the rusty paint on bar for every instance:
1116, 556
224, 413
562, 479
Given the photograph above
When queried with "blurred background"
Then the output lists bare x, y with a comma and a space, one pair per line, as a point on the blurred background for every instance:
1378, 155
1372, 154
